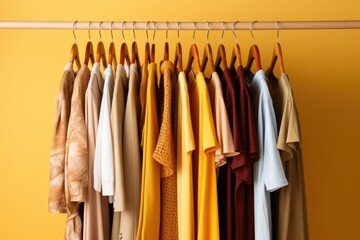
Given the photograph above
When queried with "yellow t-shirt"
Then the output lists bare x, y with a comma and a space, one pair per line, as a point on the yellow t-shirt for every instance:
205, 191
149, 216
185, 145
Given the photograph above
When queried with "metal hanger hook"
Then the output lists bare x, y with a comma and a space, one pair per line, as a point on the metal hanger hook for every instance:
251, 30
153, 38
122, 30
222, 33
74, 30
193, 38
100, 24
278, 31
147, 28
233, 30
178, 31
134, 30
111, 28
89, 31
207, 35
166, 33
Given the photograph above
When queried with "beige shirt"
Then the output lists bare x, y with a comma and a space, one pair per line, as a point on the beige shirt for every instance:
57, 202
117, 125
131, 153
96, 210
292, 219
221, 121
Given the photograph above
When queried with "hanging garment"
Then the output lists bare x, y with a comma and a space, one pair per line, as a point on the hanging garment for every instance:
228, 173
268, 173
96, 209
221, 121
205, 194
57, 203
149, 216
244, 194
117, 125
143, 84
104, 179
131, 154
76, 158
164, 153
185, 145
290, 217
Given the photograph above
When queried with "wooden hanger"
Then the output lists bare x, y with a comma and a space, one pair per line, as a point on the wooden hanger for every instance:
221, 57
236, 53
112, 56
178, 57
89, 54
178, 53
124, 54
100, 50
112, 51
152, 53
193, 55
236, 56
254, 53
208, 58
89, 50
74, 55
277, 55
74, 52
134, 50
166, 47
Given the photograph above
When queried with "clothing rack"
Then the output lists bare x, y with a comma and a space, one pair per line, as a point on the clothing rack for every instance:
151, 25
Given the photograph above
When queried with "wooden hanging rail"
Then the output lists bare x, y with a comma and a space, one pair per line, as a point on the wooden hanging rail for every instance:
130, 25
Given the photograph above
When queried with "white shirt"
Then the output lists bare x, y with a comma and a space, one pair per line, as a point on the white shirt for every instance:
268, 170
104, 160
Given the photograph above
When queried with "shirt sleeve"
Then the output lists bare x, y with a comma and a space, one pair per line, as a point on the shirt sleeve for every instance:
273, 169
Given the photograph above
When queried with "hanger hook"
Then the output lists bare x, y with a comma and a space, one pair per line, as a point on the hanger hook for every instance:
153, 38
134, 30
207, 35
122, 30
278, 31
194, 33
222, 33
89, 30
233, 30
147, 28
166, 33
74, 30
178, 31
100, 24
111, 28
251, 30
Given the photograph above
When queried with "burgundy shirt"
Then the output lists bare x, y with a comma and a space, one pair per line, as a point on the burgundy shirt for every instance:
244, 195
227, 175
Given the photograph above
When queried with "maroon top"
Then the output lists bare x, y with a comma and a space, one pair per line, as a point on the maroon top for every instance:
227, 177
244, 191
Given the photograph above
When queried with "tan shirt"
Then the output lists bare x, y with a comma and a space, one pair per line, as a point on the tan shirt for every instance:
57, 202
76, 158
221, 121
291, 214
117, 125
131, 153
96, 210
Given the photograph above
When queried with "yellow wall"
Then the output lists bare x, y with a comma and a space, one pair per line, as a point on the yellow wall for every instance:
323, 66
